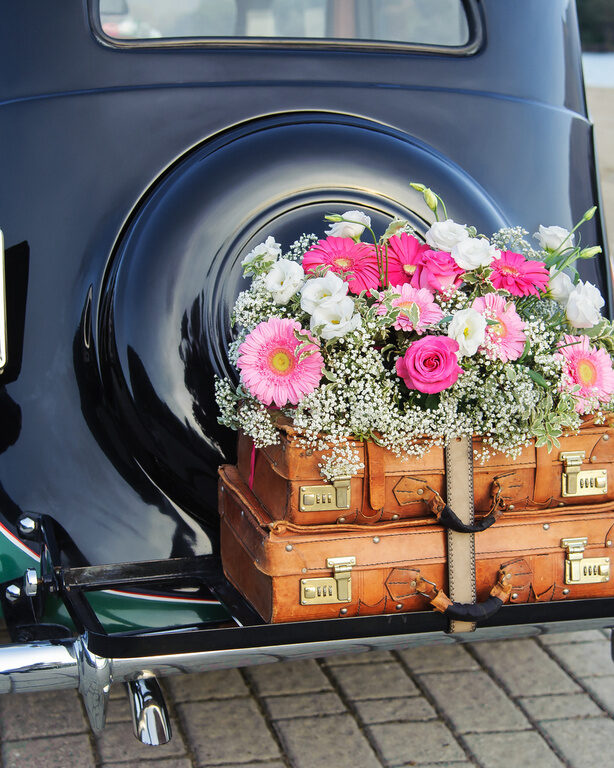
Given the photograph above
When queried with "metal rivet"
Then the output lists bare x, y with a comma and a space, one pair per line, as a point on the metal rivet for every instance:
565, 591
420, 491
399, 606
13, 593
510, 506
376, 539
289, 547
303, 570
508, 575
608, 543
395, 517
221, 489
343, 611
514, 595
242, 513
593, 459
546, 526
414, 583
341, 520
561, 503
606, 437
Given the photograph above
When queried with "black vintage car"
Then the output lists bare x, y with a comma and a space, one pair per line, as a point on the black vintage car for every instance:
144, 152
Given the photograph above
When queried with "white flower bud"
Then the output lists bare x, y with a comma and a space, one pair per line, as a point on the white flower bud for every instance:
444, 235
583, 305
353, 227
283, 280
559, 286
468, 328
551, 238
261, 256
474, 252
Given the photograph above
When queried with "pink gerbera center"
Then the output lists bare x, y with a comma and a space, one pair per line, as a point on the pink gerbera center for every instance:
417, 308
513, 273
505, 338
587, 372
355, 262
273, 369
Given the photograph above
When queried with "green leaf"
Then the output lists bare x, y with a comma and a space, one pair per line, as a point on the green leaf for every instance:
329, 375
432, 401
538, 378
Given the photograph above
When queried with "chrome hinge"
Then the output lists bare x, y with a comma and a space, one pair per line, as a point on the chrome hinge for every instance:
3, 331
583, 570
331, 589
578, 482
325, 497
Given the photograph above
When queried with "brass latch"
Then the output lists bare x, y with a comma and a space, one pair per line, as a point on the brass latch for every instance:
325, 497
578, 482
331, 589
584, 570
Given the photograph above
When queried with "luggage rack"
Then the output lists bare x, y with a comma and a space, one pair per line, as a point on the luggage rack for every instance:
244, 627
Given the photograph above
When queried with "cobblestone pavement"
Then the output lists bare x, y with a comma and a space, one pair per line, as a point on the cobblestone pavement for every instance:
546, 702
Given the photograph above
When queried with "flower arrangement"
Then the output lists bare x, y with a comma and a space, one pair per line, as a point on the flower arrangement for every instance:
411, 342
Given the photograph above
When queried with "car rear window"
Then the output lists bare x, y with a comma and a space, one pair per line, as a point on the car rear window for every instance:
440, 23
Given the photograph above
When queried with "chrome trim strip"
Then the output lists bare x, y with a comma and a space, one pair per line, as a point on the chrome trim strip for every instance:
3, 329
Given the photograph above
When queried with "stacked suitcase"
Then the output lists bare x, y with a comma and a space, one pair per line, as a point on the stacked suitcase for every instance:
300, 548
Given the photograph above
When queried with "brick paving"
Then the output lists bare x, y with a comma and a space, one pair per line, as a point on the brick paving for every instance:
547, 702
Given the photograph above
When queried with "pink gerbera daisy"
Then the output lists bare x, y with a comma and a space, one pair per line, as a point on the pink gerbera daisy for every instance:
505, 339
413, 301
344, 256
272, 369
517, 275
405, 259
587, 366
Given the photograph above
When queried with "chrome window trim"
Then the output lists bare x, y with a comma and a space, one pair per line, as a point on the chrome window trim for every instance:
3, 328
472, 46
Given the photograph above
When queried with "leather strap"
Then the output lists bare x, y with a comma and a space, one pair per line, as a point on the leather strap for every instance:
461, 546
542, 491
375, 474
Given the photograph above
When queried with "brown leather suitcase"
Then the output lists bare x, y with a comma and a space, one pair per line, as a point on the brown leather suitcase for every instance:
286, 479
291, 573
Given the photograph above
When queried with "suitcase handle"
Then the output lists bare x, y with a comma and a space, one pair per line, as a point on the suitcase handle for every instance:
472, 612
450, 520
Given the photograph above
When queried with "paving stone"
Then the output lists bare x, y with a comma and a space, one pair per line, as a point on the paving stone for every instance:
370, 657
407, 709
303, 705
117, 744
219, 684
171, 762
583, 742
231, 731
49, 713
525, 668
512, 750
118, 710
290, 678
560, 707
411, 743
328, 741
374, 682
586, 660
559, 638
442, 658
473, 702
54, 752
602, 689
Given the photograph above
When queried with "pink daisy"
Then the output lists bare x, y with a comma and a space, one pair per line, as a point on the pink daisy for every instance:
405, 259
505, 340
422, 299
587, 366
270, 366
517, 275
344, 256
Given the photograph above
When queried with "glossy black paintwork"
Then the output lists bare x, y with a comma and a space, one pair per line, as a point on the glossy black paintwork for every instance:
139, 177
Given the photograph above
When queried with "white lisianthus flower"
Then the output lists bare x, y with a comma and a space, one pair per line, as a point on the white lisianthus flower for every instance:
560, 286
262, 255
551, 238
354, 227
583, 305
323, 291
283, 280
444, 235
468, 328
474, 252
335, 320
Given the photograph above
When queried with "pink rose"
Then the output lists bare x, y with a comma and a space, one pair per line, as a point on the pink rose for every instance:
439, 271
430, 364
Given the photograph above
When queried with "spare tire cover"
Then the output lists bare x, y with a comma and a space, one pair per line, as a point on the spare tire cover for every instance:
176, 270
